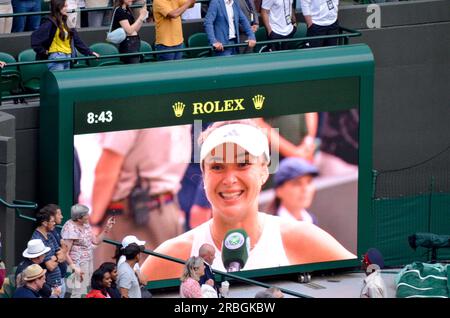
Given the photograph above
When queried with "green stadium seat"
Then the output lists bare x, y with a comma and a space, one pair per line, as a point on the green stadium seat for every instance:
198, 40
104, 49
300, 33
31, 74
146, 47
10, 76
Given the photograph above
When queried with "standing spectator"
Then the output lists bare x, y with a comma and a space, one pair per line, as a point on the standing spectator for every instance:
33, 254
45, 225
55, 40
249, 10
321, 17
61, 254
127, 240
111, 268
279, 19
128, 282
221, 31
95, 18
77, 19
26, 23
34, 277
193, 269
6, 23
77, 234
100, 283
207, 253
168, 28
123, 17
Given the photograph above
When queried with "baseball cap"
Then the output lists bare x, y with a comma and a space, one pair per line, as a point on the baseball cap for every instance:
127, 240
291, 168
374, 256
248, 137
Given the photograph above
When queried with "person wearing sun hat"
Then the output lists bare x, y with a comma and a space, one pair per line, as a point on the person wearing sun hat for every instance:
295, 189
234, 160
34, 277
34, 254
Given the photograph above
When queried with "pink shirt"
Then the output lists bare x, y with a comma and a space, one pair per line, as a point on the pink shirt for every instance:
162, 155
190, 288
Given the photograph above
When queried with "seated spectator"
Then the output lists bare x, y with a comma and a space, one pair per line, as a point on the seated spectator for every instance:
111, 268
222, 23
272, 292
34, 277
56, 40
100, 282
295, 190
45, 225
26, 22
34, 254
194, 268
128, 282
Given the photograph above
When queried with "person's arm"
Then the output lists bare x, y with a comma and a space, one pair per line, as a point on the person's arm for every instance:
208, 24
76, 269
293, 17
81, 46
134, 28
106, 176
98, 239
306, 243
173, 13
265, 19
308, 144
247, 28
52, 263
306, 10
124, 292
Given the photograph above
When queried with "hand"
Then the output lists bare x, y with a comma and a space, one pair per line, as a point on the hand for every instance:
95, 54
210, 282
109, 224
218, 46
143, 13
61, 255
192, 3
78, 272
56, 291
251, 43
2, 64
255, 27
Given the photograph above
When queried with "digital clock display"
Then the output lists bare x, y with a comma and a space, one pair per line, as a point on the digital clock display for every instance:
102, 117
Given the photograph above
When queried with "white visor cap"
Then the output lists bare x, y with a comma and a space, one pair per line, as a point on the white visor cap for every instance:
248, 137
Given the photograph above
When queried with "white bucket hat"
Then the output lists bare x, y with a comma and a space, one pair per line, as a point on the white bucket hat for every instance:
35, 248
127, 240
250, 138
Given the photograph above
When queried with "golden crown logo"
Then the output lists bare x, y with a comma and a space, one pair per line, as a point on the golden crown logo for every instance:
178, 108
258, 101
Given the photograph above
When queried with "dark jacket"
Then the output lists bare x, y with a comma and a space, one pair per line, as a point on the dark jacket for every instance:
209, 275
42, 38
46, 290
26, 292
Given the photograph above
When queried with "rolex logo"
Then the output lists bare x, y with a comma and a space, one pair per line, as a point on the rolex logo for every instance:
258, 101
178, 108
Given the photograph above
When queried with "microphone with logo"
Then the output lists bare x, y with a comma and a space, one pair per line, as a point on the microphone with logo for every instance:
235, 250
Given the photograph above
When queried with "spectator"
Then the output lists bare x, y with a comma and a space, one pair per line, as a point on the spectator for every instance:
95, 18
111, 268
221, 31
123, 18
34, 277
321, 19
194, 268
33, 254
61, 253
374, 286
80, 240
45, 225
6, 23
100, 283
279, 19
295, 190
271, 292
128, 282
127, 240
77, 19
55, 40
249, 10
168, 28
207, 253
26, 23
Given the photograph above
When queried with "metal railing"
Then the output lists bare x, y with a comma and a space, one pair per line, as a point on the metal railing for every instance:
19, 204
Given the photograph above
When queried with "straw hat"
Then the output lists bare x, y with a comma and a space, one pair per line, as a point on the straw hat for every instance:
33, 272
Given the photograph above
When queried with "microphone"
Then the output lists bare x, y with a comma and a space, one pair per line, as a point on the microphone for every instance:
235, 250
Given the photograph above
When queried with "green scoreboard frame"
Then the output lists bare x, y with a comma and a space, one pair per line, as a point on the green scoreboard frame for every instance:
212, 89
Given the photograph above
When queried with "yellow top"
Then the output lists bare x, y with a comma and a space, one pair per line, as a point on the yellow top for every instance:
168, 31
59, 45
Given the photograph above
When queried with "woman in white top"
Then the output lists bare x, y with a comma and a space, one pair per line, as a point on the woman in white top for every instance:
234, 160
